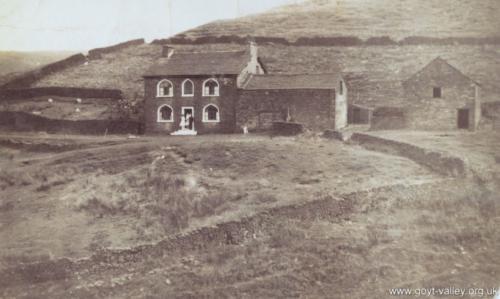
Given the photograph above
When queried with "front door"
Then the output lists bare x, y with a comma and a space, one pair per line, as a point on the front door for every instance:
187, 116
463, 118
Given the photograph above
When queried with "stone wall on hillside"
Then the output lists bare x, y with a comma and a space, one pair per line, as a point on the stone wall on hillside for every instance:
98, 52
26, 79
27, 93
26, 122
439, 162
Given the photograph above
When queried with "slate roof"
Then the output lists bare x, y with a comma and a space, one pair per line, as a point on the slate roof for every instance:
439, 60
293, 81
201, 63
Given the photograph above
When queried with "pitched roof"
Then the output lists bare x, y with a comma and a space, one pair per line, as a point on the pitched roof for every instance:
293, 81
440, 61
201, 63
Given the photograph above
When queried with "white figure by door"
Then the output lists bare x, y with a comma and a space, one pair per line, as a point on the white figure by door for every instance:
187, 118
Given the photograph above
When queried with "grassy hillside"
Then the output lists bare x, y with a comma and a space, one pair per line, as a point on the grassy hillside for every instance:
374, 72
121, 69
15, 62
367, 18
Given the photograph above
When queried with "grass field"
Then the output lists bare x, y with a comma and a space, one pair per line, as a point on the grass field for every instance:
119, 191
388, 222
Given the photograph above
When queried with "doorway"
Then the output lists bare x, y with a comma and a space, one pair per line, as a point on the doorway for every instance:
188, 118
463, 119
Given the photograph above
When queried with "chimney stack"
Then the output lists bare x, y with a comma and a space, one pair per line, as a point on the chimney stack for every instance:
167, 51
254, 51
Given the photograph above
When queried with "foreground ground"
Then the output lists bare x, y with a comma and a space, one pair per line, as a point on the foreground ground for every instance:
307, 217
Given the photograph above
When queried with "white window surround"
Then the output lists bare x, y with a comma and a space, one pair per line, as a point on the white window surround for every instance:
205, 114
187, 94
159, 93
205, 90
160, 119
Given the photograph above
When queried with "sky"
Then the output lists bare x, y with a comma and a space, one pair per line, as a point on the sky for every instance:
79, 25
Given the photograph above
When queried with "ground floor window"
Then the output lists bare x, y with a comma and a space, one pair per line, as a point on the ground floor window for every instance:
211, 113
165, 114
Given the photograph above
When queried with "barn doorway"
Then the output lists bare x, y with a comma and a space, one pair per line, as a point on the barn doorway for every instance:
463, 118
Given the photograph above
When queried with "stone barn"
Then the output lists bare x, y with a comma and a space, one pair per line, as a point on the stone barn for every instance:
187, 93
319, 101
440, 97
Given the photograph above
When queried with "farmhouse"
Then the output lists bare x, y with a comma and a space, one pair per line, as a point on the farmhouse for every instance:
223, 92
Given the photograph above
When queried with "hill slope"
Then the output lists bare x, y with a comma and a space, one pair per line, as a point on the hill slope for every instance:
373, 71
11, 61
366, 18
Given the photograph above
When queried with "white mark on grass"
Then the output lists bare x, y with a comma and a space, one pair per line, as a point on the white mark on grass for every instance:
191, 182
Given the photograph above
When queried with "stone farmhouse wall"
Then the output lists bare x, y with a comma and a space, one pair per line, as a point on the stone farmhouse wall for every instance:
257, 109
228, 95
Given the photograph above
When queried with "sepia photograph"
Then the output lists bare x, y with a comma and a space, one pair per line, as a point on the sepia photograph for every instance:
249, 149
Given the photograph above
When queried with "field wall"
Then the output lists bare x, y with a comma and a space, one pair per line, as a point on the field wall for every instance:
21, 121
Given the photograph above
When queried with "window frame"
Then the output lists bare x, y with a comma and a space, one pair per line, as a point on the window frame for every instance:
159, 95
217, 89
184, 94
159, 118
341, 87
205, 114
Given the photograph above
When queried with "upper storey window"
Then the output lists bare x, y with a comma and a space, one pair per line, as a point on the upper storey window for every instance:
210, 88
437, 92
165, 88
187, 88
